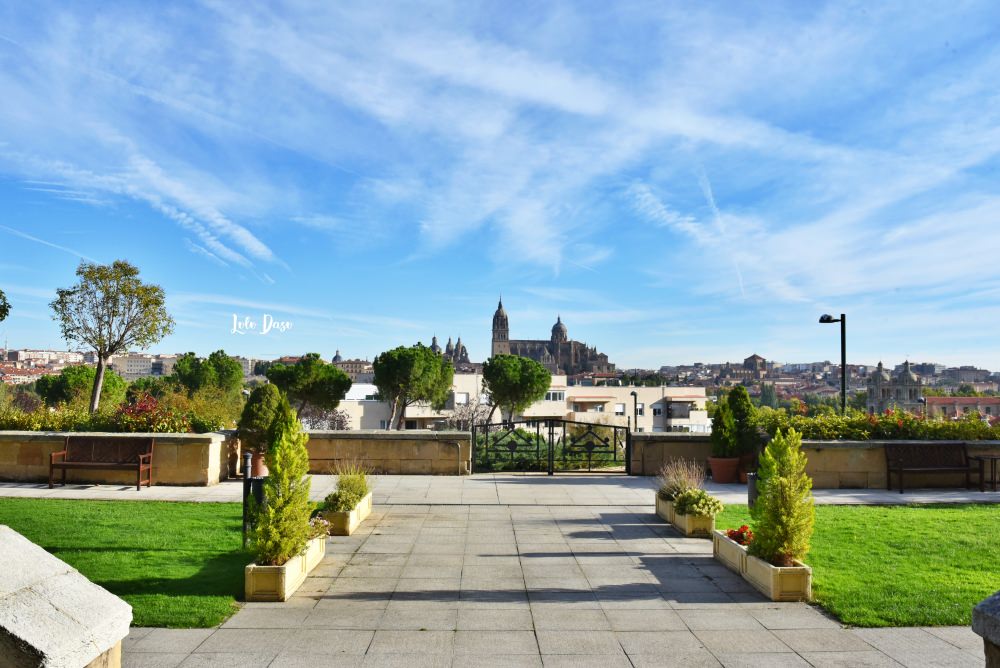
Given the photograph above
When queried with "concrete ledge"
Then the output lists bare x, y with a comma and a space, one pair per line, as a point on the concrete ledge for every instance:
50, 615
831, 464
392, 452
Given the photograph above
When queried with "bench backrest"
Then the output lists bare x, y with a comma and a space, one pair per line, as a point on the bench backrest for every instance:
106, 450
927, 454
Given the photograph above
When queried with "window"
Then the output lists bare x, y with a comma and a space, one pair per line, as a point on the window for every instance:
484, 399
640, 409
410, 424
965, 409
599, 408
576, 408
989, 410
383, 424
555, 395
461, 398
639, 429
619, 409
657, 411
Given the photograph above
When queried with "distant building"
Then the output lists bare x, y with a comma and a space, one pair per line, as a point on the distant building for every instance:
754, 368
456, 353
954, 407
559, 354
903, 390
357, 370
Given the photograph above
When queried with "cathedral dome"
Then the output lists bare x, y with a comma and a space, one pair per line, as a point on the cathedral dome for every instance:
337, 358
500, 317
559, 331
907, 375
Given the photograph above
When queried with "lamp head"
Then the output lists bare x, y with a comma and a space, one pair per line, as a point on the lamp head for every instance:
827, 318
634, 393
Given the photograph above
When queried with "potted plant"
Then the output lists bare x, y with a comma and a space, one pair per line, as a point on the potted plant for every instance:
695, 511
724, 461
349, 505
676, 476
783, 518
284, 543
730, 547
254, 426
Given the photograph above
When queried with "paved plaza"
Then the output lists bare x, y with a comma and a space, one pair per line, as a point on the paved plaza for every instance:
530, 489
528, 570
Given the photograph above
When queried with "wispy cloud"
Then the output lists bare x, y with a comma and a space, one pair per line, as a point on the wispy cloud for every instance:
65, 249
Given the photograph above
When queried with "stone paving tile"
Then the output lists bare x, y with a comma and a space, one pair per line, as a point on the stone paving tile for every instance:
497, 661
228, 660
761, 660
423, 617
299, 659
412, 642
873, 659
495, 620
822, 640
748, 641
642, 620
404, 660
962, 637
578, 642
916, 647
485, 643
585, 661
323, 642
251, 641
663, 643
152, 660
698, 658
797, 617
715, 620
268, 618
553, 619
170, 640
345, 616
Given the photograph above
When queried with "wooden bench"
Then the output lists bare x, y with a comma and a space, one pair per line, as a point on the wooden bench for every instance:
105, 453
903, 458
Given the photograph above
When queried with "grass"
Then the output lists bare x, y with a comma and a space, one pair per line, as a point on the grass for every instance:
900, 565
177, 564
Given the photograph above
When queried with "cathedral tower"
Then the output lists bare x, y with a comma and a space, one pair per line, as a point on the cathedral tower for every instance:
501, 331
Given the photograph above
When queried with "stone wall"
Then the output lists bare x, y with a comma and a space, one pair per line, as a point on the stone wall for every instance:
178, 459
831, 464
392, 452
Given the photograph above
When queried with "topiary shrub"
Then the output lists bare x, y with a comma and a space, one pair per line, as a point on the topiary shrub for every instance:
697, 502
283, 528
784, 512
258, 416
746, 438
724, 443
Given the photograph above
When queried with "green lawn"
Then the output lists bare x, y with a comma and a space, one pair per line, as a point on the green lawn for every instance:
177, 564
900, 565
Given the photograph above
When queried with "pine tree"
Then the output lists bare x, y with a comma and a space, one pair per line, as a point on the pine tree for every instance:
783, 513
282, 528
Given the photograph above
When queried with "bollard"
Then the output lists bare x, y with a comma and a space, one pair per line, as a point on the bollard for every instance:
751, 488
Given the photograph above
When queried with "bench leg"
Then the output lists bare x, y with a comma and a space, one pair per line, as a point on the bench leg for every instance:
138, 479
64, 478
50, 476
900, 481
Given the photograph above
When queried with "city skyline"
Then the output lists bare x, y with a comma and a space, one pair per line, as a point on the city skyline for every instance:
676, 185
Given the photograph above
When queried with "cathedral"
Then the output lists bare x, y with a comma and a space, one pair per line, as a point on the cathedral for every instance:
559, 354
455, 352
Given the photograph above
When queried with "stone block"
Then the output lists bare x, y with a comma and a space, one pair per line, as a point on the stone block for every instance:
444, 467
415, 466
826, 480
986, 623
853, 479
51, 615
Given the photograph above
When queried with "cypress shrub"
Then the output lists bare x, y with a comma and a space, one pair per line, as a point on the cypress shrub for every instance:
724, 443
745, 417
259, 413
783, 514
282, 528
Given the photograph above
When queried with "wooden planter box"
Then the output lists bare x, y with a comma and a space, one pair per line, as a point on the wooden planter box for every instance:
729, 552
344, 523
694, 525
779, 583
278, 583
665, 509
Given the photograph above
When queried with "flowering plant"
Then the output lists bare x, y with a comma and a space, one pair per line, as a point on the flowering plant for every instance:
318, 527
743, 535
697, 502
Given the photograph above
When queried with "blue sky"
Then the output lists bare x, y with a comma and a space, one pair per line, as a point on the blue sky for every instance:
680, 181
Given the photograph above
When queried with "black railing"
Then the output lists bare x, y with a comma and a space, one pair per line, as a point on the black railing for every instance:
550, 446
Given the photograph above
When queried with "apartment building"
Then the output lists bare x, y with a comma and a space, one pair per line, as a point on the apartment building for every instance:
651, 409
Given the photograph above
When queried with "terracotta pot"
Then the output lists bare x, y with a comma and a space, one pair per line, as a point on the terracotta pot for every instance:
724, 469
258, 468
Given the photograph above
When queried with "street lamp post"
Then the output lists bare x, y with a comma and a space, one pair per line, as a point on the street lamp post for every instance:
826, 318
